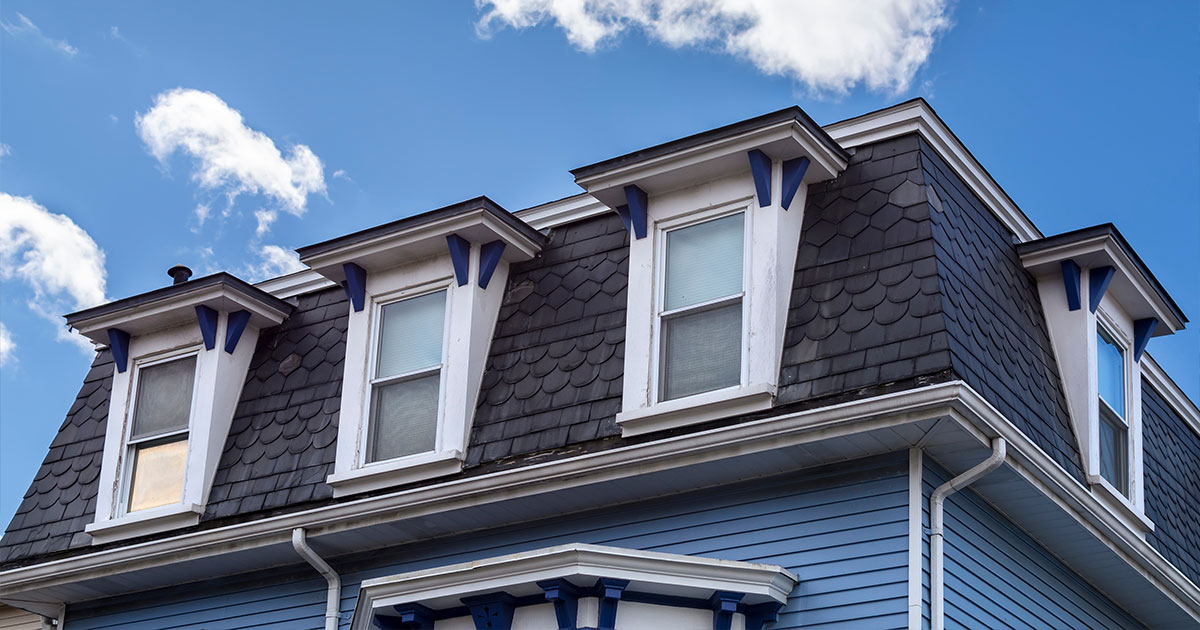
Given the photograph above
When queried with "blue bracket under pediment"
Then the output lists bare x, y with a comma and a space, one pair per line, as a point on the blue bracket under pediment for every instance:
408, 617
460, 255
493, 611
565, 597
234, 328
1142, 330
634, 213
118, 343
489, 259
1072, 284
355, 285
793, 177
1098, 279
610, 596
724, 605
759, 614
760, 170
207, 316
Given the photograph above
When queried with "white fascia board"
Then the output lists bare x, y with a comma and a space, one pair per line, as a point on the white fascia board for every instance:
556, 213
1165, 386
916, 116
293, 284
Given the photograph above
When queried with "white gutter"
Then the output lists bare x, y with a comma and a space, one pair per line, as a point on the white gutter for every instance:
937, 513
333, 598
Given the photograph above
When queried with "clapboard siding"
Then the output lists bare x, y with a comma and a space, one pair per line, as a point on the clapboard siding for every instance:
842, 530
17, 619
996, 576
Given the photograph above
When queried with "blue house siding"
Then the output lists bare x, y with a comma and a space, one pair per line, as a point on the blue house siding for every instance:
997, 576
841, 529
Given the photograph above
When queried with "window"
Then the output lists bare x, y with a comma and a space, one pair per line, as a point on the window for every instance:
701, 312
158, 435
405, 385
1114, 428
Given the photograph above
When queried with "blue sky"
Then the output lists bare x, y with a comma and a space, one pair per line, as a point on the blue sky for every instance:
1083, 116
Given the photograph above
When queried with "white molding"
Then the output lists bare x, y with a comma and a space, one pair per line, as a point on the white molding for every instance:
561, 212
396, 472
145, 522
917, 116
916, 538
293, 284
653, 572
722, 403
1175, 398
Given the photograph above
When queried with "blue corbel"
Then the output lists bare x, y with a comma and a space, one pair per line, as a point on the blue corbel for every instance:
234, 328
759, 614
355, 285
760, 169
623, 212
1098, 279
207, 318
493, 611
793, 176
565, 598
460, 255
1071, 282
409, 617
610, 595
118, 342
489, 257
724, 604
1142, 329
638, 203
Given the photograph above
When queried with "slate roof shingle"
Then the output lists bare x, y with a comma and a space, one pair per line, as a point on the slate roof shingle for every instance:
1172, 483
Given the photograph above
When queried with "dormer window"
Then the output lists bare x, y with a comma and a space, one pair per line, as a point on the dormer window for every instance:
1114, 428
158, 438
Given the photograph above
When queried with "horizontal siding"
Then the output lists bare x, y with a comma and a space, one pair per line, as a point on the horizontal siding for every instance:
997, 576
843, 531
17, 619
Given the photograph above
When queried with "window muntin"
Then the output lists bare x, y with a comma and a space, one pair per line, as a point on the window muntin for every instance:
700, 321
158, 437
406, 379
1113, 426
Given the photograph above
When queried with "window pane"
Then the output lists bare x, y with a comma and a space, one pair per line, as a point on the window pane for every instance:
704, 261
164, 397
410, 335
702, 351
403, 418
1111, 371
157, 474
1113, 449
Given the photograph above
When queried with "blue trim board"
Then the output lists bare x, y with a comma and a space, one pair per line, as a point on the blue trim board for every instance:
793, 176
760, 170
1072, 284
118, 341
565, 598
234, 327
355, 285
489, 258
1142, 330
460, 255
1098, 279
638, 204
206, 316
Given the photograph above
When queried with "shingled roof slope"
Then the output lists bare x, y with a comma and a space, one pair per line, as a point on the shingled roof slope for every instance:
1172, 483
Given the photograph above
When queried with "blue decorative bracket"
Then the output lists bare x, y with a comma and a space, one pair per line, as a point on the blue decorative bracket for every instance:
793, 176
565, 598
355, 285
493, 611
760, 169
118, 342
759, 614
410, 617
610, 595
1072, 284
460, 255
1098, 279
724, 605
1142, 329
489, 258
207, 318
636, 207
234, 329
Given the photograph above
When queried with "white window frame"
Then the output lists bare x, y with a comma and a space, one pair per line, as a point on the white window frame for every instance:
661, 232
128, 445
1118, 327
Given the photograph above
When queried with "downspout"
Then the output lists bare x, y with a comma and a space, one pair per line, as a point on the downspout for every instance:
334, 597
937, 501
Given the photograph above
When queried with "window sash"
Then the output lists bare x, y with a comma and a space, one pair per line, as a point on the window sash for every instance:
1105, 344
168, 479
141, 399
371, 454
1114, 433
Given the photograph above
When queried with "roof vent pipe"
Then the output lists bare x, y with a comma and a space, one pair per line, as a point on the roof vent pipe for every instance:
179, 274
334, 595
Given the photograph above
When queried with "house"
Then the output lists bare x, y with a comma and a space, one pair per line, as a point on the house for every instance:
772, 375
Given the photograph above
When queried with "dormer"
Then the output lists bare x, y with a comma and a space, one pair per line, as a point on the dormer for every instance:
424, 293
181, 354
1103, 306
707, 214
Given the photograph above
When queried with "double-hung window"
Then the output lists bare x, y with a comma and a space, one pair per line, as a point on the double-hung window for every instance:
1114, 426
158, 437
701, 310
406, 380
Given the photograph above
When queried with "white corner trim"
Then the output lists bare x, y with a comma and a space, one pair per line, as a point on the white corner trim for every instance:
722, 403
916, 536
556, 213
145, 522
293, 284
1167, 388
652, 572
916, 116
396, 472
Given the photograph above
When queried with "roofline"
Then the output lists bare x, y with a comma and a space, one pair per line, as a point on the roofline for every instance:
482, 202
1100, 231
704, 137
175, 290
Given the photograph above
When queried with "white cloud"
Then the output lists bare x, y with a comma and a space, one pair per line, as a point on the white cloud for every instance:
26, 28
8, 348
5, 150
56, 258
265, 218
341, 174
230, 157
827, 45
273, 261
